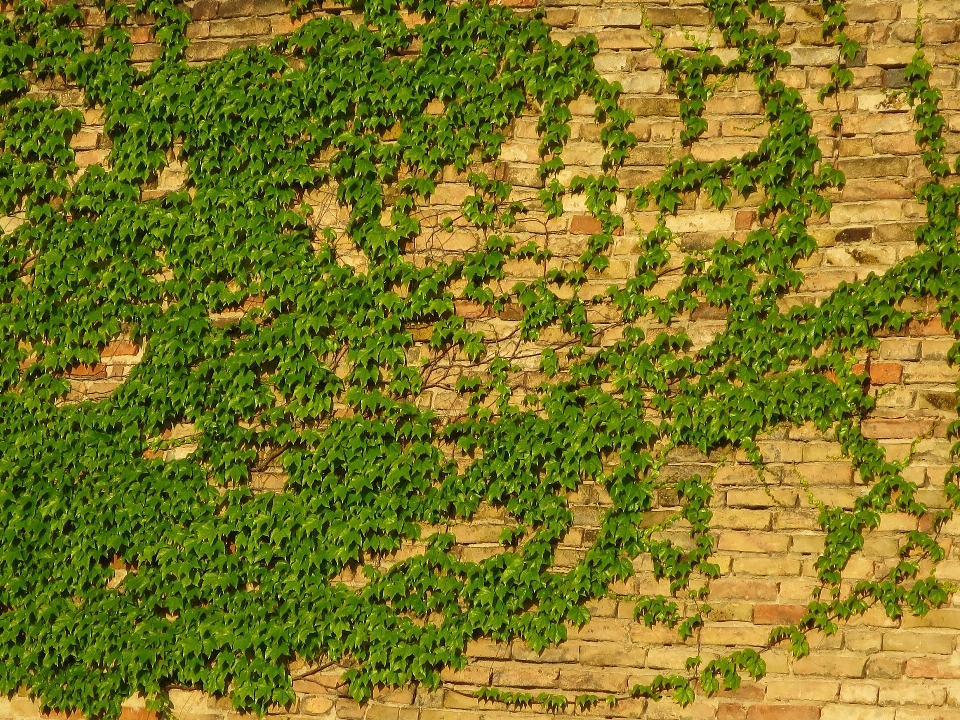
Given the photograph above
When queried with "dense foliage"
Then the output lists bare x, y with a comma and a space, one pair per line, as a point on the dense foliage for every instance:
314, 372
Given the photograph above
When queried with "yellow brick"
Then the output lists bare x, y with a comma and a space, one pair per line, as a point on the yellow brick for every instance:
852, 712
919, 642
830, 665
806, 689
766, 566
753, 542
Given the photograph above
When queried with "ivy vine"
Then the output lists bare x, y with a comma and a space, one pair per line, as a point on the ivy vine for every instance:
122, 572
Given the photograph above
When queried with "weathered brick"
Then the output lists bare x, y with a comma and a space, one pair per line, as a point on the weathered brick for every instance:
858, 168
911, 693
623, 39
735, 475
652, 106
885, 666
205, 10
605, 681
900, 349
611, 17
527, 677
862, 693
896, 428
608, 654
206, 50
936, 349
246, 8
762, 498
854, 235
686, 16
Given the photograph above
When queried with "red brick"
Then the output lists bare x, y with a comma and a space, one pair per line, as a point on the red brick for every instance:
138, 714
585, 225
926, 328
928, 667
471, 310
511, 311
140, 34
747, 691
783, 712
777, 614
885, 373
731, 711
88, 372
745, 219
120, 347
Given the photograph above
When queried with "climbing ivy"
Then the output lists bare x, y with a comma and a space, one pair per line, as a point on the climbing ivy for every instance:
264, 336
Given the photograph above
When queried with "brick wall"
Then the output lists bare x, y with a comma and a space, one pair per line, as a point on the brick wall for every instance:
767, 537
